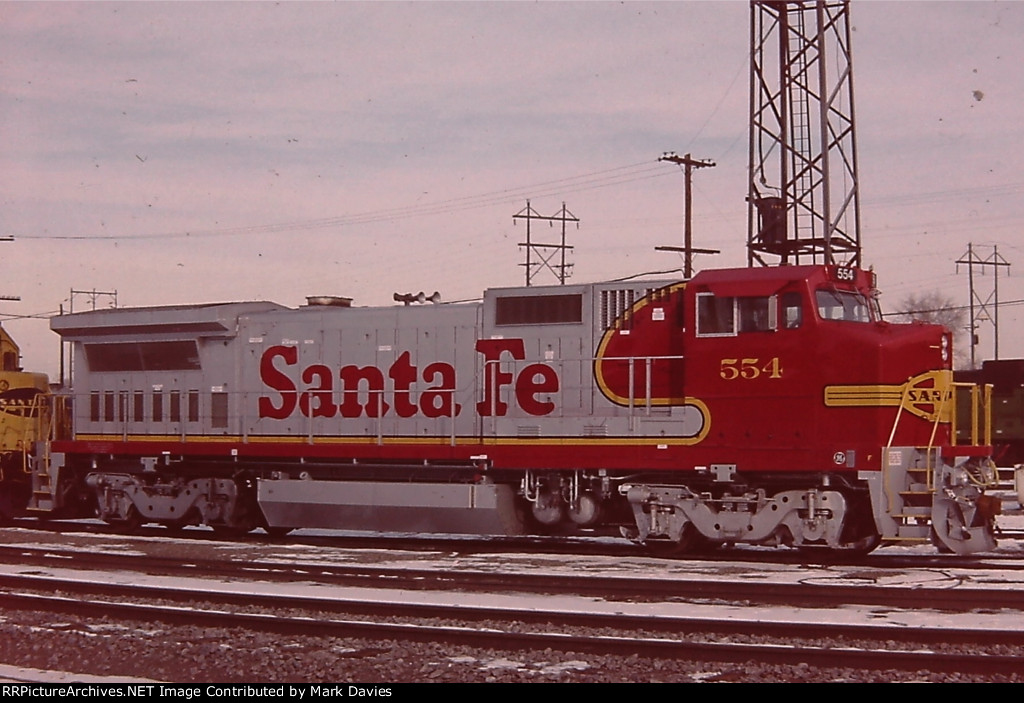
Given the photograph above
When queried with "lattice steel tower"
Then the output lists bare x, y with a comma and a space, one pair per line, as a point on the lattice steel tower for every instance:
803, 192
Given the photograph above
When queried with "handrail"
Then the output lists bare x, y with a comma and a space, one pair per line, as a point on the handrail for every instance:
929, 473
980, 428
981, 414
886, 473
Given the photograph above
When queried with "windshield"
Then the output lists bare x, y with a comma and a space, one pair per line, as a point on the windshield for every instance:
843, 305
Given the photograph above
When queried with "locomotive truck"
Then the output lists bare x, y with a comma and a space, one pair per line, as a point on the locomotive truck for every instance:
764, 406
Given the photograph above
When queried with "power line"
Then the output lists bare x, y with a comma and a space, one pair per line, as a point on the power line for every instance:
573, 184
995, 260
1002, 304
545, 252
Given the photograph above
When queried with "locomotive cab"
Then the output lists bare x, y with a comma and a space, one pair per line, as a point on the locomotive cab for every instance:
765, 344
814, 401
805, 353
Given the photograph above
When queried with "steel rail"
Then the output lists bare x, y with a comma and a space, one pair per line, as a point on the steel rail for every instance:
828, 655
955, 599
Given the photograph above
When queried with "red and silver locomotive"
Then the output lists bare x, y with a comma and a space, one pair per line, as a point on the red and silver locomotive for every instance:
763, 406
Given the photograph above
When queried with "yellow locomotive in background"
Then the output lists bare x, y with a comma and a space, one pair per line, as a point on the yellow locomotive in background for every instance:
25, 418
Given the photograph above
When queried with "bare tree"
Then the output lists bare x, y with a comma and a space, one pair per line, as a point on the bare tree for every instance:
934, 307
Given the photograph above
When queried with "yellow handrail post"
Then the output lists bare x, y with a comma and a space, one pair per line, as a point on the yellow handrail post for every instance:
975, 393
988, 414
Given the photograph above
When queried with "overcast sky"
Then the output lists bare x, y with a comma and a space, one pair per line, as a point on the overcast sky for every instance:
197, 152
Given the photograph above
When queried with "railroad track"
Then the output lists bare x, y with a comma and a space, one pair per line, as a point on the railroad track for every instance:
979, 651
954, 594
1009, 559
716, 639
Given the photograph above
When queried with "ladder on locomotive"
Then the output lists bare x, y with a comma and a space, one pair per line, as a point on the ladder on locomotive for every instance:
43, 497
911, 489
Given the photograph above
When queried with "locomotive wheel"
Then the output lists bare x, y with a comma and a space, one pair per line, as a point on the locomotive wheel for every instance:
864, 546
690, 542
131, 525
190, 518
861, 547
586, 511
548, 511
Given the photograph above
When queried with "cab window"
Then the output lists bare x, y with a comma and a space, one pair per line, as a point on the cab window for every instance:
792, 310
755, 314
716, 315
847, 306
722, 315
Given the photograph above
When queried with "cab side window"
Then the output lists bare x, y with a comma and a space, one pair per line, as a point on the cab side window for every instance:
716, 315
726, 315
755, 314
792, 310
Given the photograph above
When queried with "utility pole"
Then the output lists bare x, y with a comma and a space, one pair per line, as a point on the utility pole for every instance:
92, 296
545, 252
8, 238
688, 165
17, 364
995, 260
